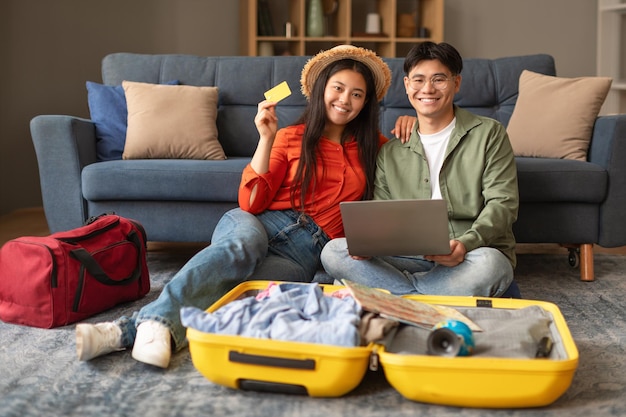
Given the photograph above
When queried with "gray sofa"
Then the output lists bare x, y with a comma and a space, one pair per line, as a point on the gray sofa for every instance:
574, 203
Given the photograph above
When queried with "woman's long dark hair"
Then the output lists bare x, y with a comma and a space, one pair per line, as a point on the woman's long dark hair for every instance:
364, 129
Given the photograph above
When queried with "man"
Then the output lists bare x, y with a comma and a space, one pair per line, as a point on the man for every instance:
453, 155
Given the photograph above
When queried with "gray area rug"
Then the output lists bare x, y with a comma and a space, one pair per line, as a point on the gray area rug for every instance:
40, 376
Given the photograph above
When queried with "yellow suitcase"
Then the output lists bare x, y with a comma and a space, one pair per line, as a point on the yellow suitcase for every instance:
332, 371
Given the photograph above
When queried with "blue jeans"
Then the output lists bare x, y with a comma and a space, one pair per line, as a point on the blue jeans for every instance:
274, 245
485, 272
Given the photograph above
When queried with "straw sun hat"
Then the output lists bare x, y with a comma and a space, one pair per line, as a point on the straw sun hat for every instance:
315, 65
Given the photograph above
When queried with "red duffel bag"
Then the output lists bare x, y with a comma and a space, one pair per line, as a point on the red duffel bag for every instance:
68, 276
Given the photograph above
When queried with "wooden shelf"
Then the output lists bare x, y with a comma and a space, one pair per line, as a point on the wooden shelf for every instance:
617, 7
345, 26
611, 59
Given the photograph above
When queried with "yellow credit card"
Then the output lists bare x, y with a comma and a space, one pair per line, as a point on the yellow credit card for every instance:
278, 93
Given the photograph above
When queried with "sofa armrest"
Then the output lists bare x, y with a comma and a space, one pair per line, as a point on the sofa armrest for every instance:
608, 149
63, 146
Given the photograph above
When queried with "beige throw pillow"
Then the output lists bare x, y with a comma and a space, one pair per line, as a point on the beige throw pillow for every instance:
171, 122
554, 117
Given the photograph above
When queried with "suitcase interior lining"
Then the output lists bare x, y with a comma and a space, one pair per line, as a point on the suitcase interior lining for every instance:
507, 333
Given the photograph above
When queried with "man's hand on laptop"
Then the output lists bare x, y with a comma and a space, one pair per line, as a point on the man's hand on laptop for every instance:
455, 257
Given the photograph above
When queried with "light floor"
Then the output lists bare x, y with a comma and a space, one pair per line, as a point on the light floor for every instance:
32, 222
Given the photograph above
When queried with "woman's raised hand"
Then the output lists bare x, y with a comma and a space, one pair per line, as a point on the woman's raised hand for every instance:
266, 120
404, 126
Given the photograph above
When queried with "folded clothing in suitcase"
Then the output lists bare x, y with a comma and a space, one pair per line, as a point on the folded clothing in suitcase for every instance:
502, 371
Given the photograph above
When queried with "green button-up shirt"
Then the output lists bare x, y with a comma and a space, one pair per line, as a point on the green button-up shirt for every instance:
478, 180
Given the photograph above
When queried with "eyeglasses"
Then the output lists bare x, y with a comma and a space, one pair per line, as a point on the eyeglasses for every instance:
439, 82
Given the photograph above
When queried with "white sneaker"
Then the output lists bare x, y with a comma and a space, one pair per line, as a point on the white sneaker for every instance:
93, 340
153, 344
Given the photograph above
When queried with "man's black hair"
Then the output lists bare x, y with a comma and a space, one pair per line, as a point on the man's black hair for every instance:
442, 52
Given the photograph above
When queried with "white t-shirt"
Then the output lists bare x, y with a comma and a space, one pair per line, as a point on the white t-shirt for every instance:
435, 146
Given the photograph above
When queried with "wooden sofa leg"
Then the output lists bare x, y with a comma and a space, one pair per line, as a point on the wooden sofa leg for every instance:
586, 262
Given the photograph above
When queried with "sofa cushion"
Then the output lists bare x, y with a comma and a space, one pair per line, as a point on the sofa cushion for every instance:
554, 116
163, 179
560, 180
171, 122
108, 111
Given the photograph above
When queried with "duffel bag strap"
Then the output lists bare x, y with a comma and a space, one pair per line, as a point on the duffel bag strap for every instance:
92, 266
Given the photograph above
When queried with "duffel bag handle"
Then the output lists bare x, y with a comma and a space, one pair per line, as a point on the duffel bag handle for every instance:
92, 266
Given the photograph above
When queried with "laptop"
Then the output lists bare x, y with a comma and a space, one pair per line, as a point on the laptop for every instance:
396, 227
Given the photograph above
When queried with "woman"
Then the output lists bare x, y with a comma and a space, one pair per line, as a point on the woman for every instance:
289, 203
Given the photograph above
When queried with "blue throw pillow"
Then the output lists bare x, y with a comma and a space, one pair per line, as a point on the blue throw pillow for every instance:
107, 107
